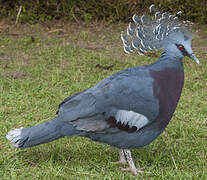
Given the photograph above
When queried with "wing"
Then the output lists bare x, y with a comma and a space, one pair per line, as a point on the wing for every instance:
125, 99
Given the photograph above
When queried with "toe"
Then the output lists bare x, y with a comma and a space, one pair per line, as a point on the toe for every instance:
134, 171
120, 162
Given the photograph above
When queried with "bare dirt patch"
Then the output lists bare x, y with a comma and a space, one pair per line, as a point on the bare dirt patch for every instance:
94, 36
14, 75
4, 57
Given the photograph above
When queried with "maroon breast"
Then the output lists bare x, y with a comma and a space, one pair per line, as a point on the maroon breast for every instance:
167, 87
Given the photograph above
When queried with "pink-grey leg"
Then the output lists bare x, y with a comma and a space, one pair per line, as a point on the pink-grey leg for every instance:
132, 168
122, 159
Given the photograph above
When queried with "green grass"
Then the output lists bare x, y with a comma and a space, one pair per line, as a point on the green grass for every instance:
57, 65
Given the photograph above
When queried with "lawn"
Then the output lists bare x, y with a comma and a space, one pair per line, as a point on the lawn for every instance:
42, 64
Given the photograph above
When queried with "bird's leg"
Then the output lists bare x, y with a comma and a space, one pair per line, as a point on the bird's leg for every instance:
122, 159
130, 161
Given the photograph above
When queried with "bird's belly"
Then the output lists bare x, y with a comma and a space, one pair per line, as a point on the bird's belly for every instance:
125, 140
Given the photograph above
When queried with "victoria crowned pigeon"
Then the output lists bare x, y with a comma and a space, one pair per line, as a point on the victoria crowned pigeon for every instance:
131, 108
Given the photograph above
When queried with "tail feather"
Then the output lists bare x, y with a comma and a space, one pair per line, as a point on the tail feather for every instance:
39, 134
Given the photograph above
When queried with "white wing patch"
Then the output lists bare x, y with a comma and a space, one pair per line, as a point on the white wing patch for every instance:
131, 118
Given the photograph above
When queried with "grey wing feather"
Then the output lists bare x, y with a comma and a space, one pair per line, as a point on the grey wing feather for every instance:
96, 123
68, 99
80, 106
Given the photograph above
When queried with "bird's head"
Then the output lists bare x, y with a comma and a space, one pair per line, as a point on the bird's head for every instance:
179, 43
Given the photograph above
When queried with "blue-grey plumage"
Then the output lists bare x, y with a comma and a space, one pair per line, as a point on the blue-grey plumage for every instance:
130, 108
41, 133
129, 97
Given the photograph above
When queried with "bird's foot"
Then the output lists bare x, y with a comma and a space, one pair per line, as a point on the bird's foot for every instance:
134, 171
132, 168
121, 161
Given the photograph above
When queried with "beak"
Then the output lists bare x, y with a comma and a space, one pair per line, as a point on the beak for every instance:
192, 56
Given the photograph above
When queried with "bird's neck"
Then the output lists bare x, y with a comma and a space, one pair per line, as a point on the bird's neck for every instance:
167, 60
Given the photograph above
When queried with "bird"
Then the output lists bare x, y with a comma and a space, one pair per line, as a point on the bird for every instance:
132, 107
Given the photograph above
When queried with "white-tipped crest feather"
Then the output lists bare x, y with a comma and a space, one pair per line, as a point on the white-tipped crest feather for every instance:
152, 33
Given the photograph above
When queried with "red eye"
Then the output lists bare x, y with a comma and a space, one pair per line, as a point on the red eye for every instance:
181, 47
